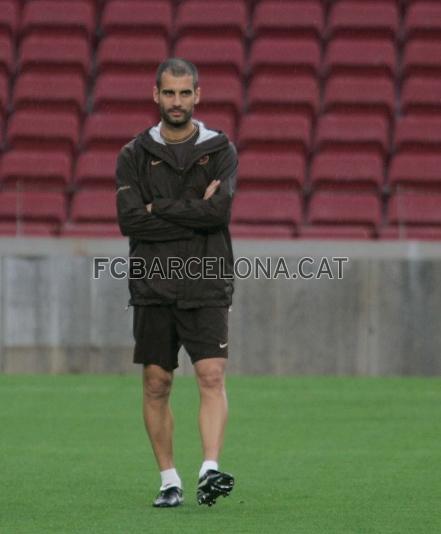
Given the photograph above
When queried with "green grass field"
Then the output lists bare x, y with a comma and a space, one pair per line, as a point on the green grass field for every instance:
310, 455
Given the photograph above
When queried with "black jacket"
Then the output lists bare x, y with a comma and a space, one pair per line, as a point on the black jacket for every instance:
182, 224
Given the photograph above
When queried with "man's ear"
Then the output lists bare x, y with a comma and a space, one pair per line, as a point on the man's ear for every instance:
156, 94
197, 95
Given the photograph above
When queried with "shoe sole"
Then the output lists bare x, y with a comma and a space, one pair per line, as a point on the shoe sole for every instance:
179, 501
214, 487
168, 505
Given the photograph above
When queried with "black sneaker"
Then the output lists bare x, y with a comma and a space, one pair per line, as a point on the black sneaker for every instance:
169, 498
212, 485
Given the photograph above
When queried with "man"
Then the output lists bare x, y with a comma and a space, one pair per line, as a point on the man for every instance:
175, 185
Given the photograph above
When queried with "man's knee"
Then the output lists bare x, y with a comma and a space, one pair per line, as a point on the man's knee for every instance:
157, 383
211, 375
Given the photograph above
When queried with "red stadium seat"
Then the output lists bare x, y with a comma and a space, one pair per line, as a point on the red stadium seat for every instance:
28, 229
415, 132
218, 54
221, 92
129, 17
62, 92
35, 130
360, 55
272, 169
285, 130
9, 12
262, 231
352, 132
94, 206
47, 207
367, 18
423, 19
421, 94
286, 55
96, 168
405, 231
90, 230
63, 17
330, 231
124, 92
347, 169
110, 131
55, 54
4, 94
415, 170
218, 120
223, 16
6, 55
422, 56
361, 94
415, 207
267, 207
272, 17
284, 93
131, 53
327, 207
42, 170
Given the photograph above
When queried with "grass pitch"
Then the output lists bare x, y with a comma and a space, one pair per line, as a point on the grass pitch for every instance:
310, 455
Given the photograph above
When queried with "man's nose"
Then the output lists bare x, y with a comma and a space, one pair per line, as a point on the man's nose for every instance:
177, 101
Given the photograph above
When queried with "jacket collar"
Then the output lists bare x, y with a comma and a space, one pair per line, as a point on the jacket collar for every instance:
208, 141
204, 133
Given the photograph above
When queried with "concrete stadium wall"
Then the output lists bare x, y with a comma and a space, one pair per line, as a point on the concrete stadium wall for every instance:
382, 318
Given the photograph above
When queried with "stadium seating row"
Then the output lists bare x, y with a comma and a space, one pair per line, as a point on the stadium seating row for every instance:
269, 17
290, 131
141, 53
132, 92
272, 214
259, 169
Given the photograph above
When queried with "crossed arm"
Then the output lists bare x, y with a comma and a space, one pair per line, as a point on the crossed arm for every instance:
209, 192
173, 219
209, 212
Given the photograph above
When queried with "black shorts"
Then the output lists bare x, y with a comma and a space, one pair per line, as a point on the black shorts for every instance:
160, 331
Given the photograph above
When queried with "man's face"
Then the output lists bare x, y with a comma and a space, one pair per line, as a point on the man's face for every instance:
176, 98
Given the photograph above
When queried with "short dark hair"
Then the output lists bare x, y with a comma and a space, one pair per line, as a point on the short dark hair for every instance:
178, 67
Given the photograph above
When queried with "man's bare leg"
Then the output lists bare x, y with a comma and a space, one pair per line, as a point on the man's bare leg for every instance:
158, 421
213, 483
158, 418
213, 412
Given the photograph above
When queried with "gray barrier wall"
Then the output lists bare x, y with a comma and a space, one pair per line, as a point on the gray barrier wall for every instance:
381, 318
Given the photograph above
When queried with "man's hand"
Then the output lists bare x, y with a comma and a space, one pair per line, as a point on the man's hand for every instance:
211, 189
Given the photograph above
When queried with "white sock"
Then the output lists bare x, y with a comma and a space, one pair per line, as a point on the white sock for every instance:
206, 465
170, 477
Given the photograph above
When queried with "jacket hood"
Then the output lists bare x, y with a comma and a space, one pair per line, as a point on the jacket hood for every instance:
208, 140
205, 134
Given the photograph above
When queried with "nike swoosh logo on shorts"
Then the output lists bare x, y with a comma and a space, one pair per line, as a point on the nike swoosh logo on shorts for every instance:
222, 345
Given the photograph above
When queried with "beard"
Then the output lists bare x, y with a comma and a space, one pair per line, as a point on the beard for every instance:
176, 122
